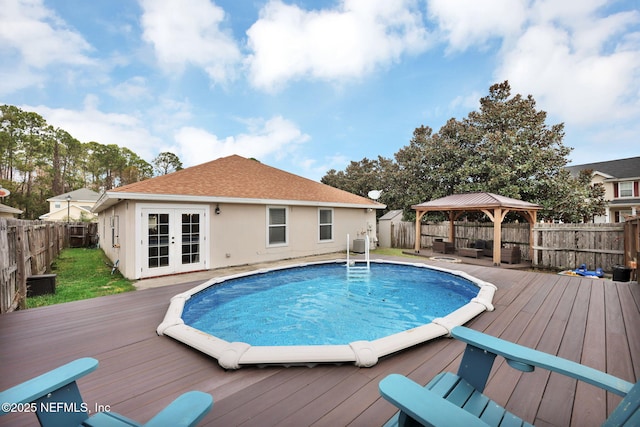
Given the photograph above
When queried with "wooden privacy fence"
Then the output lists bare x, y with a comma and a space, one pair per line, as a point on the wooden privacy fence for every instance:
555, 246
567, 246
27, 248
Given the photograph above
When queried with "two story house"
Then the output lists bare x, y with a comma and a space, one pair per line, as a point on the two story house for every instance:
621, 180
72, 206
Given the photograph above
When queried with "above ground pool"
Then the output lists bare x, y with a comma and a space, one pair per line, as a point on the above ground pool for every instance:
323, 312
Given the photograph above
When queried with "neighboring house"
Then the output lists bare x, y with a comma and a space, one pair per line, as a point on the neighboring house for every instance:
230, 211
8, 211
621, 180
72, 206
386, 224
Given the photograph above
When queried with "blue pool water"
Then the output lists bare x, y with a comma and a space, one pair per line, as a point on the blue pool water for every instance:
316, 304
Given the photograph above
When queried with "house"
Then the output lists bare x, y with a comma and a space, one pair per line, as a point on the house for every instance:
621, 180
227, 212
72, 206
8, 211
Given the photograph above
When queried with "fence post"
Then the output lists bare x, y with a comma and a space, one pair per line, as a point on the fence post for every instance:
22, 257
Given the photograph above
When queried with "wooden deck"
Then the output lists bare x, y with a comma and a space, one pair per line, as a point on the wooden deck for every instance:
596, 322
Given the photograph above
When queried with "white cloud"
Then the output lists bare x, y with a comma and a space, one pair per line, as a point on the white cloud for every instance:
314, 169
133, 88
580, 71
469, 101
578, 60
188, 32
466, 23
18, 77
91, 124
39, 36
355, 38
272, 137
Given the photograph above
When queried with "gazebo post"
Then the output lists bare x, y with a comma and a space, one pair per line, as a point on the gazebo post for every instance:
452, 228
497, 236
419, 215
532, 222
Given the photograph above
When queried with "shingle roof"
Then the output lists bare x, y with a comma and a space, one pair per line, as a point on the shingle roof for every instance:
475, 201
239, 178
9, 209
622, 168
83, 194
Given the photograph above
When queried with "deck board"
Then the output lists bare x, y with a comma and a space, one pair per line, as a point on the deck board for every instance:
596, 322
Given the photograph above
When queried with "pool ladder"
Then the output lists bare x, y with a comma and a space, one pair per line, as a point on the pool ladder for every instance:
358, 272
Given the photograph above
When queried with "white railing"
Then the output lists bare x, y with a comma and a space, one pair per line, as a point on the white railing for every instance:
354, 271
367, 247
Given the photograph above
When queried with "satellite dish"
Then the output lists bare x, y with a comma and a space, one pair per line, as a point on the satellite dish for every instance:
374, 194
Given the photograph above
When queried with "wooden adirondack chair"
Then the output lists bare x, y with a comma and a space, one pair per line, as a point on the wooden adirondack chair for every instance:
457, 400
55, 398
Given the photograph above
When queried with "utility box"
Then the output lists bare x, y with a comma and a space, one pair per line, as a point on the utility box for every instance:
358, 246
41, 284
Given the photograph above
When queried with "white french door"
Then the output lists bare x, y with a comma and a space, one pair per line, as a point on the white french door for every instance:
173, 240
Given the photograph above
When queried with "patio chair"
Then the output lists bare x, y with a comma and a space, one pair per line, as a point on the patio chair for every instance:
55, 399
457, 400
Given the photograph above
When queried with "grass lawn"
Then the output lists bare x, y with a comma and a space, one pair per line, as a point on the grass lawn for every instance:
392, 252
81, 274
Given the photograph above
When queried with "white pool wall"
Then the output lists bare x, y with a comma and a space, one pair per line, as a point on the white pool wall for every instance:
233, 355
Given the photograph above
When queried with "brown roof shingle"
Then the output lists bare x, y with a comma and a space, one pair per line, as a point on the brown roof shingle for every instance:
237, 177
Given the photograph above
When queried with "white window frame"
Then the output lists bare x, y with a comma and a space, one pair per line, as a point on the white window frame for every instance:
321, 224
621, 189
285, 225
114, 225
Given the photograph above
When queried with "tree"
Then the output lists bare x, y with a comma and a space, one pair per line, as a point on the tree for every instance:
506, 148
363, 176
38, 161
166, 163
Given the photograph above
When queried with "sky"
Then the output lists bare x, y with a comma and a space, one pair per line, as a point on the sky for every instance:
308, 86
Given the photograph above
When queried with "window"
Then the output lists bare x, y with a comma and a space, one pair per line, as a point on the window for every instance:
325, 220
277, 226
620, 216
625, 189
114, 223
190, 238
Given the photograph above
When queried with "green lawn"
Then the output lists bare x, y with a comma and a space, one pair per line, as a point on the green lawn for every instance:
81, 274
392, 252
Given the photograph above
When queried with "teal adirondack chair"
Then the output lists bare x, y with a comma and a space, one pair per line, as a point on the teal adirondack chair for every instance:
457, 400
55, 398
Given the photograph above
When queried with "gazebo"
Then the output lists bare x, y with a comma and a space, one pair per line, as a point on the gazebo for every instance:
494, 206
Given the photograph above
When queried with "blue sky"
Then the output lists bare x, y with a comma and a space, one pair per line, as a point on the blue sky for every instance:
307, 86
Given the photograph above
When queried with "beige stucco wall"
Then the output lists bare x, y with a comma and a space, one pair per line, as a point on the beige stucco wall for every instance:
123, 245
238, 235
608, 186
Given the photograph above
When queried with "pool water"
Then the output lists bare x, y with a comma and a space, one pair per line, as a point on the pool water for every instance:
318, 305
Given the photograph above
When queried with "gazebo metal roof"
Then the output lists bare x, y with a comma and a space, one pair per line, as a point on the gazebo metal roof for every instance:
475, 201
493, 205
